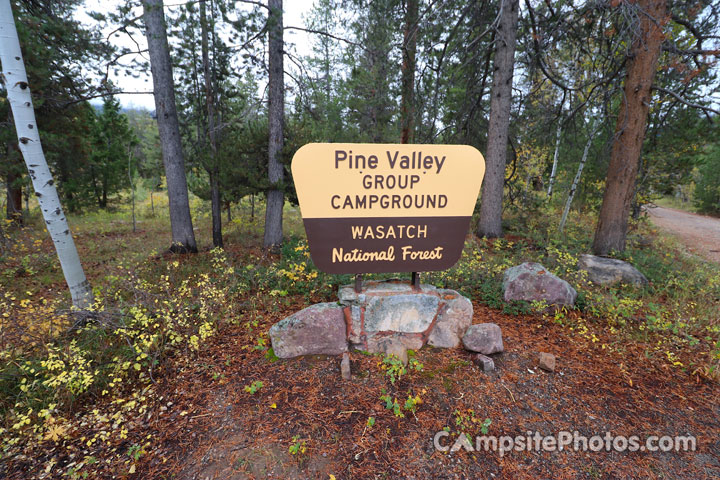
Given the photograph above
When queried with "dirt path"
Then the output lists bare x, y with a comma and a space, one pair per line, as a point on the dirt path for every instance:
700, 234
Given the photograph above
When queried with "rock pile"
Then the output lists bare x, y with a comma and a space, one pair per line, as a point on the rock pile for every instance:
385, 317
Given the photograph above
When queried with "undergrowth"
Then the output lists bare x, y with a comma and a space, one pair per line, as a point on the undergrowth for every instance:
63, 374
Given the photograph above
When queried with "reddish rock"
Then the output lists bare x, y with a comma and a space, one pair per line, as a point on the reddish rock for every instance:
317, 330
485, 338
547, 361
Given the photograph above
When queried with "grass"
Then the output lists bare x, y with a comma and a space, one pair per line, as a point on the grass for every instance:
676, 203
155, 308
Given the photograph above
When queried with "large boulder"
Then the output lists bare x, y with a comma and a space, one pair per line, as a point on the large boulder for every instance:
485, 338
395, 313
609, 271
531, 282
318, 329
452, 322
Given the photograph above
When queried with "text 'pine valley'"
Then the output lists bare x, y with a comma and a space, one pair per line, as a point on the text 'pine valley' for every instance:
403, 180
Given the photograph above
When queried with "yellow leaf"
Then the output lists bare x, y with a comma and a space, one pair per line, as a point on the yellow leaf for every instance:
55, 432
132, 468
273, 406
332, 477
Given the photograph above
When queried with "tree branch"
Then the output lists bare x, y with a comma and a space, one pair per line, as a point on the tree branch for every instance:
104, 94
330, 35
686, 102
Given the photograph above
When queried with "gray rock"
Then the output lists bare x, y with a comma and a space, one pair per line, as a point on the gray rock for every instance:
392, 346
348, 296
547, 361
345, 367
608, 271
411, 313
485, 363
485, 338
393, 308
355, 327
531, 281
318, 329
380, 343
452, 321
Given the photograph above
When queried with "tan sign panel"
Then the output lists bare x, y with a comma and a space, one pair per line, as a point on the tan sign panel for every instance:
371, 208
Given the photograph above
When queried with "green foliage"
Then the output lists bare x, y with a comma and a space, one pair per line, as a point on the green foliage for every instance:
254, 387
111, 164
412, 403
391, 404
485, 426
59, 53
394, 368
707, 189
297, 446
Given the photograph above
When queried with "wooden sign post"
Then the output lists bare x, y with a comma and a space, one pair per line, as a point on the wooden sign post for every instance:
378, 208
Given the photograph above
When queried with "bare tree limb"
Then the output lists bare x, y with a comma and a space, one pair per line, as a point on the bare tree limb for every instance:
104, 94
686, 102
330, 35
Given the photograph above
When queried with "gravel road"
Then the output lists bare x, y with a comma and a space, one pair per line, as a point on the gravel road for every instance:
701, 234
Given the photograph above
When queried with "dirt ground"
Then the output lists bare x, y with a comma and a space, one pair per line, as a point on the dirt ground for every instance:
227, 433
701, 234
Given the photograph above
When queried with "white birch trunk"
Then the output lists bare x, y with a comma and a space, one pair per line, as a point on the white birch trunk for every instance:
18, 92
576, 181
558, 134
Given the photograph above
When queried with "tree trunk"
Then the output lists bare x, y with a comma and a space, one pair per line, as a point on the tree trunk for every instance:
18, 94
409, 48
132, 190
276, 107
558, 134
103, 202
630, 130
490, 224
576, 180
183, 236
214, 170
14, 211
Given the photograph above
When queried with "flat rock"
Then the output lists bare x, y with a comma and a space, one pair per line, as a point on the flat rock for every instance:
485, 338
381, 343
531, 281
316, 330
406, 313
452, 322
609, 271
348, 296
547, 361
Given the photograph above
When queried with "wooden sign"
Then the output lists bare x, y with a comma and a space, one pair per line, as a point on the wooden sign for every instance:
374, 208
